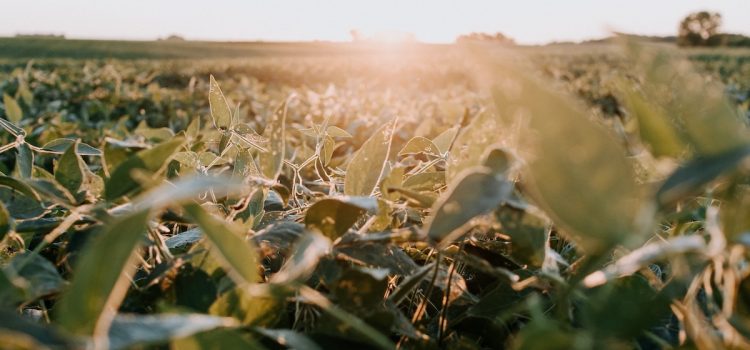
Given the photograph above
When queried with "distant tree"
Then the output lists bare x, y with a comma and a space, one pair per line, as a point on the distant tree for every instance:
173, 37
356, 35
499, 38
700, 29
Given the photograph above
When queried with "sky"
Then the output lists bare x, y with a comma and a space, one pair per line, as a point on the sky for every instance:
527, 21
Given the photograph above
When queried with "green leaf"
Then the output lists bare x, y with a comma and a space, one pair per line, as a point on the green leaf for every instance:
361, 287
128, 331
691, 177
392, 178
699, 107
26, 95
19, 186
220, 111
334, 216
289, 338
24, 160
217, 339
364, 172
184, 239
471, 144
574, 158
69, 171
12, 109
423, 199
426, 181
474, 193
153, 134
625, 308
335, 131
101, 276
11, 128
193, 128
6, 221
185, 189
419, 144
445, 139
238, 256
270, 162
18, 332
11, 293
307, 251
249, 310
244, 165
655, 127
121, 181
53, 191
59, 146
39, 276
528, 233
328, 147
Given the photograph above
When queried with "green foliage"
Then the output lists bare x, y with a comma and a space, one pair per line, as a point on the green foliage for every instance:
333, 217
137, 213
365, 169
101, 276
12, 110
151, 160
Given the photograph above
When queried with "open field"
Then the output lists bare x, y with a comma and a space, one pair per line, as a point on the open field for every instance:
319, 195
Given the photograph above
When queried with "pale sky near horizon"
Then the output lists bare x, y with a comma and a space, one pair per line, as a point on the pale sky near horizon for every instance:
528, 21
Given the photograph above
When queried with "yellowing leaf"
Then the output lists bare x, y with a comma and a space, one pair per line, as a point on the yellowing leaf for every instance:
419, 144
333, 216
444, 140
12, 109
220, 111
270, 162
364, 172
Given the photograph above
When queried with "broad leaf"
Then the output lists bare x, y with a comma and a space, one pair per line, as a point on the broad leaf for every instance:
691, 177
307, 251
59, 146
69, 171
578, 166
270, 162
334, 216
101, 276
419, 144
121, 182
445, 139
128, 331
237, 255
6, 221
289, 338
39, 276
474, 193
364, 172
220, 111
12, 109
249, 310
24, 160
